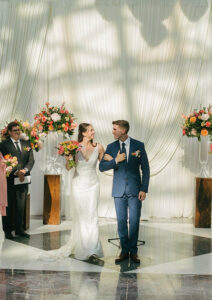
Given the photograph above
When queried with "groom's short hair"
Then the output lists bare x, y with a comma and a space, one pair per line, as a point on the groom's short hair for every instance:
122, 123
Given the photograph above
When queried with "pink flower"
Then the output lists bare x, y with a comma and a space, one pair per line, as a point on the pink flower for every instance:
208, 124
43, 119
61, 150
184, 117
33, 133
40, 127
66, 128
184, 132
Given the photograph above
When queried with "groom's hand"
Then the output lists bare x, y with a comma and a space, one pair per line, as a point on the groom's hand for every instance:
141, 196
120, 157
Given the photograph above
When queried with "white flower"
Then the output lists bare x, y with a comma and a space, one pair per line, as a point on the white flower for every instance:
194, 132
55, 117
24, 137
67, 118
43, 134
204, 117
9, 169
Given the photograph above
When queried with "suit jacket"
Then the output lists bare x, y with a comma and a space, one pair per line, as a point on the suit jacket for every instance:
27, 158
128, 172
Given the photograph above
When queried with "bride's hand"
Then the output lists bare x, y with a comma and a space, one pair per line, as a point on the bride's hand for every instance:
68, 157
108, 157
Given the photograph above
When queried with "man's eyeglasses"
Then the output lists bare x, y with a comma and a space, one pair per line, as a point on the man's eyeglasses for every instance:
16, 130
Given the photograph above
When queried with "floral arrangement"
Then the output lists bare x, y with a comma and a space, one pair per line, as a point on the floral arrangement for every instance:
198, 123
67, 148
137, 153
11, 163
31, 133
28, 132
54, 118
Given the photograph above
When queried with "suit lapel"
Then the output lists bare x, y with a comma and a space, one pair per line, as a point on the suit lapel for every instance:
130, 150
117, 144
12, 146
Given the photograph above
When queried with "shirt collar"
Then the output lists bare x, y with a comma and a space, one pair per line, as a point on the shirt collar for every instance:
127, 141
14, 141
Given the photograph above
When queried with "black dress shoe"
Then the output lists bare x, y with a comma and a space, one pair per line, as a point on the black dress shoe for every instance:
9, 236
134, 258
23, 234
122, 257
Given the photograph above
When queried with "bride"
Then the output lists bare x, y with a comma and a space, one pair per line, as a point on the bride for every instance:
84, 241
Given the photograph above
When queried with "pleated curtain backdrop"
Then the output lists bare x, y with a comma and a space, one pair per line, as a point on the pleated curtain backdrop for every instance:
144, 61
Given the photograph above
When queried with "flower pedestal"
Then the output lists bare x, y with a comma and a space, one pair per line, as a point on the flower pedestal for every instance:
203, 202
203, 157
51, 204
52, 180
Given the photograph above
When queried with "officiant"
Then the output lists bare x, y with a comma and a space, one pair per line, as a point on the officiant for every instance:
18, 180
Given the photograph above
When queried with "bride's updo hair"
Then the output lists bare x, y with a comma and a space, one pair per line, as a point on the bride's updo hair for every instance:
83, 128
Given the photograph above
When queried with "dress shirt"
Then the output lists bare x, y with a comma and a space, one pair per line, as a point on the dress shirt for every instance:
19, 144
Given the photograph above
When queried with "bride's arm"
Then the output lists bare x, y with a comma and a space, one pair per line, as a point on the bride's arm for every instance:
101, 151
67, 164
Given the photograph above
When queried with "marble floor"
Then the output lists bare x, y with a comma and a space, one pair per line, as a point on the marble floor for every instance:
176, 263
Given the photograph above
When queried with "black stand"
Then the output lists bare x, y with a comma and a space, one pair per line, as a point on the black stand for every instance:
116, 239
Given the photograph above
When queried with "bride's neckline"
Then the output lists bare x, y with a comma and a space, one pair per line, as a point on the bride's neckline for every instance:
87, 158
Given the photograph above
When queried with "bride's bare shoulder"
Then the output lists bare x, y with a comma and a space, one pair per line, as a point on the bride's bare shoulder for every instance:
100, 147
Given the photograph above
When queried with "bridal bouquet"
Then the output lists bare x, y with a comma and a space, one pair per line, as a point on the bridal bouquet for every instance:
198, 123
54, 118
11, 163
67, 148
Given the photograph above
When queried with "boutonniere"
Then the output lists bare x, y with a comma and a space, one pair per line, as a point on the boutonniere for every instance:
27, 148
137, 153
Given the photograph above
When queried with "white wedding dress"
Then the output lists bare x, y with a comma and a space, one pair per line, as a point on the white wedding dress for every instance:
84, 240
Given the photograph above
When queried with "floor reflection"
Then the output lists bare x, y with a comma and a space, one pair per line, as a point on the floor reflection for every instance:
127, 287
161, 246
49, 285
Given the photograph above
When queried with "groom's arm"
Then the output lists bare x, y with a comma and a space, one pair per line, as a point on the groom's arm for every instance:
106, 165
145, 171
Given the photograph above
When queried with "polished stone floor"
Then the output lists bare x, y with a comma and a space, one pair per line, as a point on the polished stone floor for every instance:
176, 263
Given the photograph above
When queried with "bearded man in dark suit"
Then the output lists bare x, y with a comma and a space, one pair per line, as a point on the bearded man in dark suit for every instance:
17, 192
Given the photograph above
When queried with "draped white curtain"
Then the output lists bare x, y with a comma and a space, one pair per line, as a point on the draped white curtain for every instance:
23, 28
144, 61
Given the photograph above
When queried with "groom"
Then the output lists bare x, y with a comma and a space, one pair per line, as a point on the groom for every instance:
125, 156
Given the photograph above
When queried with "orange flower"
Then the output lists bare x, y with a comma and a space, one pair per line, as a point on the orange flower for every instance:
204, 132
193, 119
7, 156
51, 128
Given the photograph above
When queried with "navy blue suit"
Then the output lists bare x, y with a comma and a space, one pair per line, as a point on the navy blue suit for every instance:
127, 183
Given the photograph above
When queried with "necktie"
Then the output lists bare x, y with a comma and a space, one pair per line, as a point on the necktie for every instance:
123, 150
18, 149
